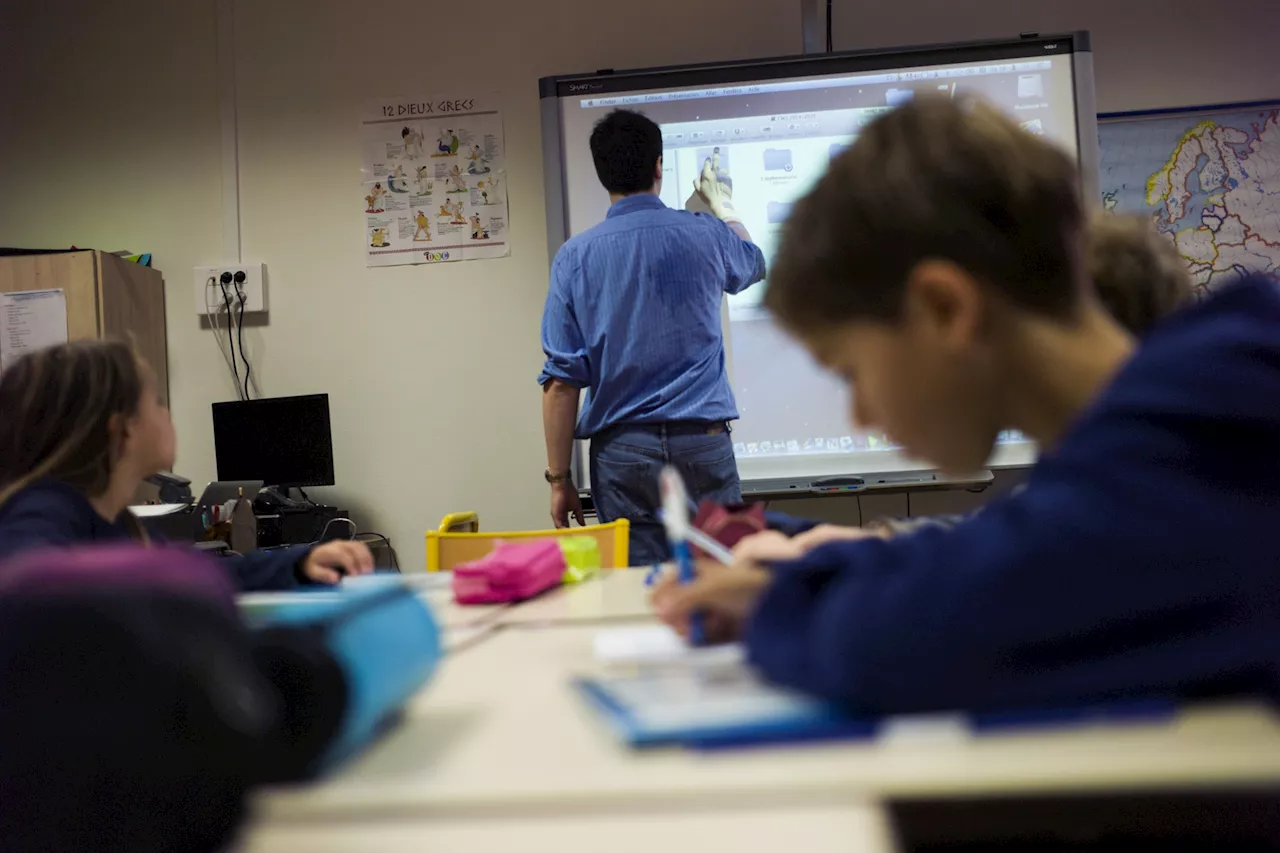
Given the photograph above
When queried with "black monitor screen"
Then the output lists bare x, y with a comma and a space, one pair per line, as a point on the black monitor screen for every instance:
283, 441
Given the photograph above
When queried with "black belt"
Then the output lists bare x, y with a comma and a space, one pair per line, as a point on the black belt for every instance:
671, 428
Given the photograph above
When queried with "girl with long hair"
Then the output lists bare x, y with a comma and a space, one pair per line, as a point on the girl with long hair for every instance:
81, 426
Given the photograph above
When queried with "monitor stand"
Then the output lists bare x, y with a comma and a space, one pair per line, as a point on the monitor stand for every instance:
276, 498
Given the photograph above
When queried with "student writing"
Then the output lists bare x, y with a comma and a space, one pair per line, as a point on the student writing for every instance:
83, 426
938, 268
1140, 280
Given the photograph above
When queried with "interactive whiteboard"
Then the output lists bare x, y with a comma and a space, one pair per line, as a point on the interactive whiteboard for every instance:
771, 127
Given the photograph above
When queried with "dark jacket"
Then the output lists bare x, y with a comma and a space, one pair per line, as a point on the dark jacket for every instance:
49, 513
1140, 558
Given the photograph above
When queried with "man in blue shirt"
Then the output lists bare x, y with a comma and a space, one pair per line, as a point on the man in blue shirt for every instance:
633, 317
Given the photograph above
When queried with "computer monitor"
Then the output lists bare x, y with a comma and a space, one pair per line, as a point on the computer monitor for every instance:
283, 441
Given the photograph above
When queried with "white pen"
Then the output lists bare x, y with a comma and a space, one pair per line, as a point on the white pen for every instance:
675, 518
714, 549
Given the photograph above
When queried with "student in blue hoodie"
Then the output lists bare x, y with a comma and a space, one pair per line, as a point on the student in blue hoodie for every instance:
1140, 280
938, 268
81, 426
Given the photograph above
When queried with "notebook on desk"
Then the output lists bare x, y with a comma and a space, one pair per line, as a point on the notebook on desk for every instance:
653, 690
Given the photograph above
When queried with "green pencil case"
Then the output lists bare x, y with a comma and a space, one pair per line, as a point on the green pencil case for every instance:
581, 558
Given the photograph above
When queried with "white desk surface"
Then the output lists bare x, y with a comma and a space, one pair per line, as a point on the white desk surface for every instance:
614, 594
434, 588
502, 732
461, 626
847, 828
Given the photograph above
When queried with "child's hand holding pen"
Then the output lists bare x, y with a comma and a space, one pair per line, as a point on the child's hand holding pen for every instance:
726, 589
722, 596
707, 600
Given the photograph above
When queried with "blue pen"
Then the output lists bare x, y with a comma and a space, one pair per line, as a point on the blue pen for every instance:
675, 518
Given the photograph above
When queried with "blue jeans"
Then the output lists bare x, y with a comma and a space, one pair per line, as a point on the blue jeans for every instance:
626, 461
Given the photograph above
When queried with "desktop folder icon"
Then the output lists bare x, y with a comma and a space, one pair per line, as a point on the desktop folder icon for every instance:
776, 212
777, 160
898, 97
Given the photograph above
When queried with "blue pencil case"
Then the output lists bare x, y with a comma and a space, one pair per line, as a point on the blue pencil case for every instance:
344, 662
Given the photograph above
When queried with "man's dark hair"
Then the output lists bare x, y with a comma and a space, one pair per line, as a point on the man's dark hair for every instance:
626, 146
935, 178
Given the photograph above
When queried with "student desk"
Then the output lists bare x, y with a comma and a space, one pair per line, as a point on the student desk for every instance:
436, 588
614, 594
500, 743
460, 626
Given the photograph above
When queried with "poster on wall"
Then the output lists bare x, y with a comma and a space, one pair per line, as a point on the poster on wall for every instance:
434, 180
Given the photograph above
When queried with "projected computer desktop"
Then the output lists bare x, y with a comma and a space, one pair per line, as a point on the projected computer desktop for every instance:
769, 129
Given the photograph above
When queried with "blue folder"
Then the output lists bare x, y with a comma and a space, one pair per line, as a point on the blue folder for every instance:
730, 709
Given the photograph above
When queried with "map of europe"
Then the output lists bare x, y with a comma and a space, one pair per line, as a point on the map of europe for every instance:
1210, 182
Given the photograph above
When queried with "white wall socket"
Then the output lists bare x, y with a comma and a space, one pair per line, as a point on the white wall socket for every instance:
209, 290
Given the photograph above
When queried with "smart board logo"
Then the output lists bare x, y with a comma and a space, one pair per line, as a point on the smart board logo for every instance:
584, 87
436, 256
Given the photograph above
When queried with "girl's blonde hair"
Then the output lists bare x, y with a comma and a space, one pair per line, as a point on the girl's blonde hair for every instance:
57, 407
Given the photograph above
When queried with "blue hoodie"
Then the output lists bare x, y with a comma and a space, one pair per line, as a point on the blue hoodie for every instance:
1141, 559
49, 513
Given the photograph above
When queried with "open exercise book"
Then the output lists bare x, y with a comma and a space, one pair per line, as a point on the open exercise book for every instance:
652, 689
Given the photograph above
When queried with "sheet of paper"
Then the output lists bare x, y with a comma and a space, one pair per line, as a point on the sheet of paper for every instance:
31, 320
155, 510
658, 644
723, 696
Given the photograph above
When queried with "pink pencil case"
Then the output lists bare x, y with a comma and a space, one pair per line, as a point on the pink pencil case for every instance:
509, 573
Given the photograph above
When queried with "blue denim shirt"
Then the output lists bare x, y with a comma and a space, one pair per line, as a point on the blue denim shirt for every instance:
633, 315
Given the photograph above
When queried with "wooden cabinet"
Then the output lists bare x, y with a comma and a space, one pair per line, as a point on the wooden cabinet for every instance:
107, 297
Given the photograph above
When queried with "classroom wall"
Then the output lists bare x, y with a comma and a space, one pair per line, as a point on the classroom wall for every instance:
1147, 54
111, 139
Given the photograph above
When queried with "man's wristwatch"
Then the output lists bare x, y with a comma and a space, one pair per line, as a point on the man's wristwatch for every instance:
554, 478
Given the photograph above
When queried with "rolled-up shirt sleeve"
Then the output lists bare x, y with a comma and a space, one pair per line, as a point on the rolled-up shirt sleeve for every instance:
743, 260
562, 339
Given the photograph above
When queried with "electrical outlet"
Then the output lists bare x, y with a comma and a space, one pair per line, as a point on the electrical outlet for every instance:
208, 284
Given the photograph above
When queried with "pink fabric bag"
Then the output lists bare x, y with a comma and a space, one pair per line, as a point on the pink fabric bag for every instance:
509, 573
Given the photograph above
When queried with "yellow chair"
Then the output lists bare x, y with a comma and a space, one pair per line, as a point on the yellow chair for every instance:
460, 522
446, 549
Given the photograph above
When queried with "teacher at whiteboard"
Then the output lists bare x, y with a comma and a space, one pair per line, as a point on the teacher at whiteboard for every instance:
633, 317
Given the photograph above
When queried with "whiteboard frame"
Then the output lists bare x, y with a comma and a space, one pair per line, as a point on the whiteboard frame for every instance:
802, 469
